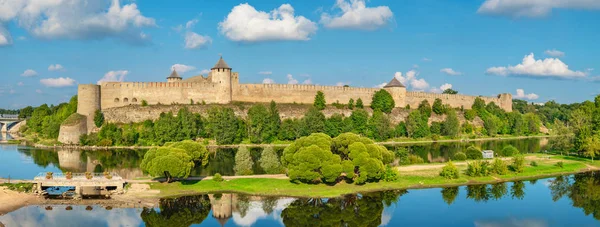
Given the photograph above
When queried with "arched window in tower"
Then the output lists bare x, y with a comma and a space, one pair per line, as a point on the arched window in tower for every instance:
116, 99
125, 100
134, 100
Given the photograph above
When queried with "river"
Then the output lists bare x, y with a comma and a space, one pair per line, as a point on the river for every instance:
560, 201
21, 162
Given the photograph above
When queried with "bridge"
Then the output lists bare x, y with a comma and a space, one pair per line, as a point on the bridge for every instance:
8, 120
81, 182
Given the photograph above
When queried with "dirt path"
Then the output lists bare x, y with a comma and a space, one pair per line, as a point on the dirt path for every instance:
265, 176
11, 200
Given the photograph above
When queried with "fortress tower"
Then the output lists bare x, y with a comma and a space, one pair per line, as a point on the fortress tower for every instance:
221, 77
88, 101
398, 92
174, 77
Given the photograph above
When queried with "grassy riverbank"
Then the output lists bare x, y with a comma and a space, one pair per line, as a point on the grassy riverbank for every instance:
414, 176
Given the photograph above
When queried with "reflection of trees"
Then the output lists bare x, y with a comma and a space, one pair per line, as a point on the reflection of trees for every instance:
182, 211
517, 190
449, 194
484, 192
121, 158
352, 210
479, 193
584, 191
268, 204
498, 190
222, 161
41, 158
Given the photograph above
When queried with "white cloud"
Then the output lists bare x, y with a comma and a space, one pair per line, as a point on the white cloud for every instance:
265, 73
268, 81
419, 84
356, 15
194, 41
426, 59
381, 85
533, 8
341, 84
55, 67
38, 91
58, 82
450, 72
77, 19
415, 66
547, 68
244, 23
307, 81
20, 84
29, 73
410, 80
555, 53
446, 86
114, 76
190, 24
204, 71
5, 38
180, 68
521, 95
291, 79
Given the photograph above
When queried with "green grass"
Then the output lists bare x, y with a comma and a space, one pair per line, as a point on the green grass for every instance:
19, 187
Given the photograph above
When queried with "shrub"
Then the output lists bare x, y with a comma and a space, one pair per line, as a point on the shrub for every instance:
533, 163
435, 137
107, 175
98, 118
217, 177
474, 153
89, 175
390, 174
509, 151
319, 102
560, 164
402, 155
450, 171
518, 164
478, 169
243, 162
382, 101
499, 167
69, 175
359, 103
144, 103
49, 175
269, 161
460, 156
105, 142
415, 159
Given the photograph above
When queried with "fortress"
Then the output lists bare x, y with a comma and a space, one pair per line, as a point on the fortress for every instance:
222, 86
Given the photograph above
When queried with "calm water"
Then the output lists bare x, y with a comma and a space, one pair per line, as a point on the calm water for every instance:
562, 201
20, 162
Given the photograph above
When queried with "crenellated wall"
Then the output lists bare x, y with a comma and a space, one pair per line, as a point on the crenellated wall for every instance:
300, 93
414, 98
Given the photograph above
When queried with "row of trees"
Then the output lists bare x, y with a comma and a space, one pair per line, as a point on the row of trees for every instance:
581, 131
44, 121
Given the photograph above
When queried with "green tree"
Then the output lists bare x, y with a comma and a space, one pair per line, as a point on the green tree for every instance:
592, 146
564, 140
425, 109
243, 162
168, 162
435, 128
319, 101
165, 128
438, 106
359, 103
400, 130
451, 126
313, 122
490, 125
379, 126
26, 112
474, 153
478, 105
258, 124
533, 123
274, 122
197, 152
382, 101
470, 114
269, 161
416, 125
111, 132
450, 91
351, 104
509, 151
223, 125
518, 164
360, 119
499, 167
334, 125
449, 171
290, 129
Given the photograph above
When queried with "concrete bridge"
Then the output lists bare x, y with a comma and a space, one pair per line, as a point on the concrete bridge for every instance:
83, 185
8, 120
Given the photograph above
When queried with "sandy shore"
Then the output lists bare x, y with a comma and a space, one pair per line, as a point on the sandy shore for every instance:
11, 200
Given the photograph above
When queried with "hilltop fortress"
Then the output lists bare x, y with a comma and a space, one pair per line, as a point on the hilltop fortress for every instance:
222, 86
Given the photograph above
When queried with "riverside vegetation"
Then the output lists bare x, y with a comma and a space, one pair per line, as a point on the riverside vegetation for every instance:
264, 125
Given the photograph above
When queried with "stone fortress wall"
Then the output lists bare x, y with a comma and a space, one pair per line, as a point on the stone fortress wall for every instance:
222, 86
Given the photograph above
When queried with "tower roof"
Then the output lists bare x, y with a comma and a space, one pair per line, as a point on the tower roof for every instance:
221, 64
394, 83
174, 74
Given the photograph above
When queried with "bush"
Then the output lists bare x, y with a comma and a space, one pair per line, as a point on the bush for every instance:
382, 101
243, 162
474, 153
450, 171
478, 169
415, 159
499, 167
533, 163
144, 103
217, 177
518, 164
319, 102
402, 155
509, 151
390, 174
560, 164
460, 156
98, 118
269, 161
105, 142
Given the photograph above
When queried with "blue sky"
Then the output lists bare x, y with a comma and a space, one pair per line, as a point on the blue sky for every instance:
478, 47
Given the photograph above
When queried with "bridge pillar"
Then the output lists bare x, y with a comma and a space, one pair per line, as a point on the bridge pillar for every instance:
4, 126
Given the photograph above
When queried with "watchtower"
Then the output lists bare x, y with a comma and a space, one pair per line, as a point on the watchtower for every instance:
88, 101
221, 76
174, 77
398, 92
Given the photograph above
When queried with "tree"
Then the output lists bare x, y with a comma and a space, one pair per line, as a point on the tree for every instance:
26, 112
379, 126
450, 91
351, 104
258, 123
478, 105
313, 122
168, 162
382, 101
490, 125
470, 115
319, 101
509, 151
450, 171
290, 129
359, 103
269, 161
274, 122
400, 130
196, 151
451, 126
111, 132
360, 119
334, 125
243, 162
564, 140
416, 125
533, 123
425, 109
592, 146
518, 164
474, 153
223, 125
438, 107
435, 128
